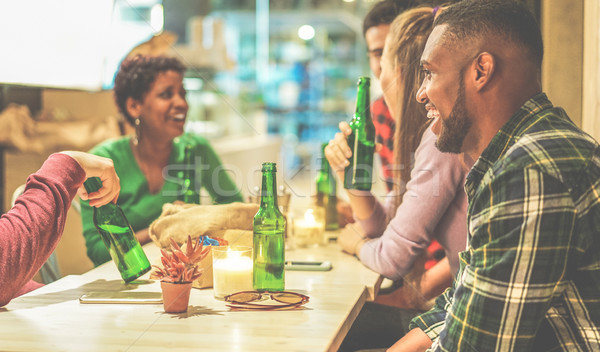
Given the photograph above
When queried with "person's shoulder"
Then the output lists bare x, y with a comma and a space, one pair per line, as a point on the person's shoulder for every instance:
554, 145
428, 155
379, 107
379, 103
200, 144
428, 147
193, 139
111, 146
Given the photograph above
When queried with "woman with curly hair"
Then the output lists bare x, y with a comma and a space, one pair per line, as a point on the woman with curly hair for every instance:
149, 92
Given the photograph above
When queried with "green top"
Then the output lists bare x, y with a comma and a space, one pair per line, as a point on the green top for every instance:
139, 205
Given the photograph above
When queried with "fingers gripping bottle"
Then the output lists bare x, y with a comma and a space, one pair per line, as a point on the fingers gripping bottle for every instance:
118, 237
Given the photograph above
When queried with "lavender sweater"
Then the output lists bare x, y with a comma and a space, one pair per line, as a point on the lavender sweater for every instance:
434, 206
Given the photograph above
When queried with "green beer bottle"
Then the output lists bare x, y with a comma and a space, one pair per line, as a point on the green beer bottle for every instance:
359, 174
327, 192
118, 237
190, 191
269, 236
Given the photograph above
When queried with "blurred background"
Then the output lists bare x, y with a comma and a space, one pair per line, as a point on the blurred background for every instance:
267, 80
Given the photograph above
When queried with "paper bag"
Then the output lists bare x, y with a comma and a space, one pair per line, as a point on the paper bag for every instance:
231, 222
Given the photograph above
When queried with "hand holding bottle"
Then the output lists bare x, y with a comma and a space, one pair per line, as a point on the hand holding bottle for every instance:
338, 152
118, 236
356, 142
97, 166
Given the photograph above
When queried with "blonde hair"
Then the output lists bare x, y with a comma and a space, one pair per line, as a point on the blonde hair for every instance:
405, 43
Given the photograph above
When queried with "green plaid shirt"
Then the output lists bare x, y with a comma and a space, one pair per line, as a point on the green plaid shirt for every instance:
530, 279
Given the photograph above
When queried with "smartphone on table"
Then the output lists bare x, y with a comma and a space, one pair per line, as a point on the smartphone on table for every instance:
308, 265
134, 297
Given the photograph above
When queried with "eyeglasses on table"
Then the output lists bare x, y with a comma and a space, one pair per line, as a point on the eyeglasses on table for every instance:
265, 300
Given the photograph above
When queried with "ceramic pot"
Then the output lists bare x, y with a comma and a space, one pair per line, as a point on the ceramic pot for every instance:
176, 296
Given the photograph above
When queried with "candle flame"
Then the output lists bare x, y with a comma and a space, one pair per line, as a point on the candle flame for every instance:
309, 217
233, 254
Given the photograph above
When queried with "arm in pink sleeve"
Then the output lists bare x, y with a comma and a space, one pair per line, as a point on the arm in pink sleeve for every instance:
30, 231
435, 179
375, 224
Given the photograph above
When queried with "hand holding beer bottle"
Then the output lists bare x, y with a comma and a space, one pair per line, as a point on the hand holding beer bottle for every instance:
351, 152
118, 236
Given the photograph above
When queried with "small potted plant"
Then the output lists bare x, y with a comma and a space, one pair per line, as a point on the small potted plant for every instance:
180, 269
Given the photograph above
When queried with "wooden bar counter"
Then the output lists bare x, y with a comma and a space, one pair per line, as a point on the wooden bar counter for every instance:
52, 319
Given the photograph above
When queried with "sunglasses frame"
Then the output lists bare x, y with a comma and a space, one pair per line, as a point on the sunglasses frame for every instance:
235, 304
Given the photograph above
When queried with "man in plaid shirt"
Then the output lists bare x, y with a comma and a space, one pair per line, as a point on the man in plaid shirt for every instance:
530, 278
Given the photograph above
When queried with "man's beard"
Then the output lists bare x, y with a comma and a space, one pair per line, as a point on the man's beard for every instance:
455, 127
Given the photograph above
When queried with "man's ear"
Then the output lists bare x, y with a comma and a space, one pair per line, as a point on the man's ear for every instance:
484, 68
133, 107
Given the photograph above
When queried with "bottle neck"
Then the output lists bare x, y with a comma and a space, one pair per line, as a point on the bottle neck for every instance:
268, 193
323, 175
190, 192
363, 101
324, 165
322, 180
92, 184
188, 155
189, 165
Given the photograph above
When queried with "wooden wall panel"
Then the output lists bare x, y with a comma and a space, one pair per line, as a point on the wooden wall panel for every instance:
591, 69
562, 69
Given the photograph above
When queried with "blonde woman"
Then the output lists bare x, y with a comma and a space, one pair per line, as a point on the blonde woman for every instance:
427, 201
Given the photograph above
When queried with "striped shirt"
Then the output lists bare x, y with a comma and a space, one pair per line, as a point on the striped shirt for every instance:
530, 279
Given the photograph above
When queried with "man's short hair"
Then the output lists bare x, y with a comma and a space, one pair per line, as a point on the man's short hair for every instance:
385, 11
509, 20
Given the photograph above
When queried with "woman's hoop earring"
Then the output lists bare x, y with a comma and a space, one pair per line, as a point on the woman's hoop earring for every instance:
136, 137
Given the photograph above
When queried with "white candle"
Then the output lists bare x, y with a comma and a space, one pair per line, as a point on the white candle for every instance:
231, 274
308, 231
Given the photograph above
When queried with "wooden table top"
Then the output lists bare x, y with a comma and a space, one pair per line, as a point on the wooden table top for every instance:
52, 319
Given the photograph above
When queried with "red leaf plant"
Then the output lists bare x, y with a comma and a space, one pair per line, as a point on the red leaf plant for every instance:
179, 266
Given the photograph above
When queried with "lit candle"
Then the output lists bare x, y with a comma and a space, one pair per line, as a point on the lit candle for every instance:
307, 230
232, 271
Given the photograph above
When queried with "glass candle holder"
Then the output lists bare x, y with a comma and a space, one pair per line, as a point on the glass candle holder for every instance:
308, 227
232, 270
